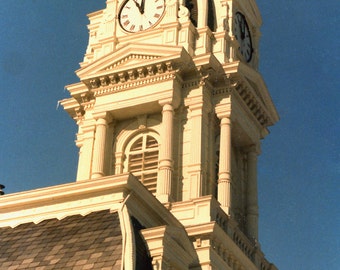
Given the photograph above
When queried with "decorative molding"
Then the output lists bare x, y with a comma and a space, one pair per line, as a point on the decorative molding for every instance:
124, 84
222, 91
252, 101
131, 57
209, 226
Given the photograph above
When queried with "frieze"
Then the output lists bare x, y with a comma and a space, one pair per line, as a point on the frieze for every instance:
129, 76
133, 83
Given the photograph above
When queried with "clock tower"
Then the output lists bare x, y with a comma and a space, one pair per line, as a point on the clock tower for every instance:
170, 91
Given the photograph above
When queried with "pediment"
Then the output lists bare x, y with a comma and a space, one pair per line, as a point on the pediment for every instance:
130, 57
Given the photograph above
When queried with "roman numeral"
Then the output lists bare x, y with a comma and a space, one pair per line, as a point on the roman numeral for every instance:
126, 23
157, 15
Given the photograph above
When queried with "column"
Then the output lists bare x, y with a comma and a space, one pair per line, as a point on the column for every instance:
165, 156
224, 175
252, 201
99, 148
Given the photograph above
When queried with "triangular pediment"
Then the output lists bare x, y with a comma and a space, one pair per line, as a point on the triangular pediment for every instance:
129, 57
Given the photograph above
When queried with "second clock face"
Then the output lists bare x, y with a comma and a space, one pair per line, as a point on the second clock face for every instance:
139, 15
242, 35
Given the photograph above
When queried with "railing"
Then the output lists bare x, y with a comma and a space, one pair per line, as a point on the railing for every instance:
249, 247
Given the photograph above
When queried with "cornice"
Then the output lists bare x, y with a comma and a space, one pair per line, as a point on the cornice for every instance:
171, 243
84, 197
249, 85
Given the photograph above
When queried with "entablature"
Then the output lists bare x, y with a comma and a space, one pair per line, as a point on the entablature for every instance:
85, 197
250, 86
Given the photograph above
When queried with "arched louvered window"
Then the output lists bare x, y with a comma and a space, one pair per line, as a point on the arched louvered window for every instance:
142, 159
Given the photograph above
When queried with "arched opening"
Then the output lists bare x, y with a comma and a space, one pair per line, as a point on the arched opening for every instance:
141, 154
191, 5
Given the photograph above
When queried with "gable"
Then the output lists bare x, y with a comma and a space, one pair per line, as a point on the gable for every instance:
129, 57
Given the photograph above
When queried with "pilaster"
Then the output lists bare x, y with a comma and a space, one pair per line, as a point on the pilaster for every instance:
199, 108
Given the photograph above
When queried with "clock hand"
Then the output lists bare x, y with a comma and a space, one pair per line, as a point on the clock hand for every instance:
138, 6
243, 30
142, 7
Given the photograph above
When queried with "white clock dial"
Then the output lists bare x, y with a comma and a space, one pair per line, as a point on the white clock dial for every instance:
139, 15
242, 35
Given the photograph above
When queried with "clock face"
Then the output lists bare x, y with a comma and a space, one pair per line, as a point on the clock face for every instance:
139, 15
242, 35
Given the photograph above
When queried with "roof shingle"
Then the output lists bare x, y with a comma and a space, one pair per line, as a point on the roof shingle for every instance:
93, 241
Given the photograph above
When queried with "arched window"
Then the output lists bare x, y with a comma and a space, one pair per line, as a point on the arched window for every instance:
142, 159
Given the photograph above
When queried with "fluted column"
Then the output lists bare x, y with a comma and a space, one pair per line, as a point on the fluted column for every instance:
224, 175
252, 196
165, 156
99, 148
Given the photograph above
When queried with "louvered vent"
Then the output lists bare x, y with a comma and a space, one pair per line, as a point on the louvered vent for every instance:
143, 161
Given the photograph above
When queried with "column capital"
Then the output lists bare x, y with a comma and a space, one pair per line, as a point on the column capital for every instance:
223, 109
165, 101
174, 99
103, 115
167, 106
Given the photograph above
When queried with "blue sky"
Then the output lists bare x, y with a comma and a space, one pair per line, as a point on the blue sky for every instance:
42, 42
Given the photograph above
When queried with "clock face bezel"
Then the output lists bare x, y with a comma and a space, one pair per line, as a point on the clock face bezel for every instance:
140, 15
243, 36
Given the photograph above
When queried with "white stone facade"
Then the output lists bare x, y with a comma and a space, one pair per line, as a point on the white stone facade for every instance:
179, 106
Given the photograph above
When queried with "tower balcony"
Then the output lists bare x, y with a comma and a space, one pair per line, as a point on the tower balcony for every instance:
215, 234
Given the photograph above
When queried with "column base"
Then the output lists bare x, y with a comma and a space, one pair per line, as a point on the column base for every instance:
96, 175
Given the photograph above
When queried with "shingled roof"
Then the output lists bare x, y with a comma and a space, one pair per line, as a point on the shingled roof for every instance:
93, 241
108, 223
